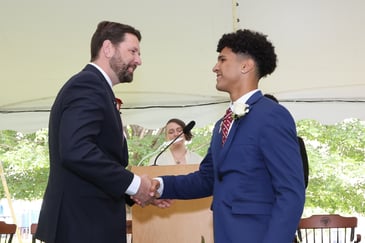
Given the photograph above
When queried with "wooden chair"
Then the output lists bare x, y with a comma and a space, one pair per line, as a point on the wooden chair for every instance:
129, 226
7, 232
33, 229
129, 229
331, 228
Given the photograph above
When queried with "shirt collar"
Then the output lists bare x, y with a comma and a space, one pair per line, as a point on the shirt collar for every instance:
244, 98
109, 81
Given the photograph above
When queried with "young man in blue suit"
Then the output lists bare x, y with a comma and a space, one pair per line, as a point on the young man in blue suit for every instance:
88, 183
256, 174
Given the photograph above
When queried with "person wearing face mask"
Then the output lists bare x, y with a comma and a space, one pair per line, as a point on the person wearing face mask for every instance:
177, 153
88, 183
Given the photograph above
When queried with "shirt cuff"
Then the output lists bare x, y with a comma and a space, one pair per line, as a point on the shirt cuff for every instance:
133, 187
160, 189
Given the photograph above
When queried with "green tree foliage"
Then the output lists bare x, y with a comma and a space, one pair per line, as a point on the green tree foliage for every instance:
337, 165
336, 158
8, 139
25, 163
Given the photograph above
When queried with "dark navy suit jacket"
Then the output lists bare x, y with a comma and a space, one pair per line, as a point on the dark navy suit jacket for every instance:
84, 201
256, 178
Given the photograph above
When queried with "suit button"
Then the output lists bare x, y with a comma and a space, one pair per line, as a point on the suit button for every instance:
220, 177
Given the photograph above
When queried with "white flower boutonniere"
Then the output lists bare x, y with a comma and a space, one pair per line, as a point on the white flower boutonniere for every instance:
239, 110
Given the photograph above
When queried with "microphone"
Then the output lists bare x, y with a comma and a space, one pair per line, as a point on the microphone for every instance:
185, 130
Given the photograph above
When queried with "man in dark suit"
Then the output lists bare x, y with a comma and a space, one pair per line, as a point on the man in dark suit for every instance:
303, 150
88, 183
303, 153
255, 174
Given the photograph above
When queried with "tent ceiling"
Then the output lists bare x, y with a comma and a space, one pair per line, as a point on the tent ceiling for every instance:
319, 46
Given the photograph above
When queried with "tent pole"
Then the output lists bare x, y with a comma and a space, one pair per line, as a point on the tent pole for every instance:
235, 19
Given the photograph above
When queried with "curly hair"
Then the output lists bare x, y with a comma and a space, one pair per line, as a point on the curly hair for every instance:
254, 44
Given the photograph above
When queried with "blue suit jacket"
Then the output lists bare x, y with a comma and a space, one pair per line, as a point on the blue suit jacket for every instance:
256, 178
84, 201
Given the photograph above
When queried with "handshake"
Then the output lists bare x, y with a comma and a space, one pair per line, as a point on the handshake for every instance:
147, 193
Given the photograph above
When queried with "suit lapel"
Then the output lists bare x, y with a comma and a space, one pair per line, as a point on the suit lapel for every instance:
235, 126
226, 147
107, 87
111, 97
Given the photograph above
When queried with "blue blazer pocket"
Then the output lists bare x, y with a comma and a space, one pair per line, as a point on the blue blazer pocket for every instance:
241, 207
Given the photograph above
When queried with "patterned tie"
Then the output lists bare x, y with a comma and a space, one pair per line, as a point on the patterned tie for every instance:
227, 120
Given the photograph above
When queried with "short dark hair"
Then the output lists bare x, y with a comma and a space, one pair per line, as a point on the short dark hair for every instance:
254, 44
188, 135
112, 31
272, 97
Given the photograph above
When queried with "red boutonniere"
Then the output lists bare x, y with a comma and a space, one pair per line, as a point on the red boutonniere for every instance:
118, 103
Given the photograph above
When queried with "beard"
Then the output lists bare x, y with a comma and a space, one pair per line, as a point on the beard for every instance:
121, 69
124, 76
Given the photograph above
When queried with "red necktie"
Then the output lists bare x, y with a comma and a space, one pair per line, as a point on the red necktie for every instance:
227, 120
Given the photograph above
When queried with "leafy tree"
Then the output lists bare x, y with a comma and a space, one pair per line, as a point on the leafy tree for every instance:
25, 163
336, 158
8, 139
142, 143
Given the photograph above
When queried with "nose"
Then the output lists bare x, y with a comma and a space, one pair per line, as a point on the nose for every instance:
138, 60
215, 68
176, 132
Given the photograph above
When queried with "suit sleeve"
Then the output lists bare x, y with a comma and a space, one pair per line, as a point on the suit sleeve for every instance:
194, 185
280, 149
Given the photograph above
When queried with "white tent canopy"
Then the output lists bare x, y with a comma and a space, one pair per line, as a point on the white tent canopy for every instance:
319, 44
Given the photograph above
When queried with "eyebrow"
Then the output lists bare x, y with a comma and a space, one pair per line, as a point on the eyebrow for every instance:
220, 56
136, 49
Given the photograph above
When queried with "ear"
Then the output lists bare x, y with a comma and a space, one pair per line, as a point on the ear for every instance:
247, 65
107, 49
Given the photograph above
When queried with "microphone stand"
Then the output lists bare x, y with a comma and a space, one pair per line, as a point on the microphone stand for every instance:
185, 130
168, 145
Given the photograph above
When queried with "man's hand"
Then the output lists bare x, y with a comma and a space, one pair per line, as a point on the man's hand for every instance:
162, 203
147, 191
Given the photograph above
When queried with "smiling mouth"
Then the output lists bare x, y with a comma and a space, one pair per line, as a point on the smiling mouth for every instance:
131, 69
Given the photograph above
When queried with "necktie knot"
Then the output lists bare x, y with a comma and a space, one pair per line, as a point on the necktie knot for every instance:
226, 124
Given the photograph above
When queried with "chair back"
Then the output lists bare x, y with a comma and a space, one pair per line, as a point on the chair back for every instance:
129, 226
7, 232
329, 228
33, 229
